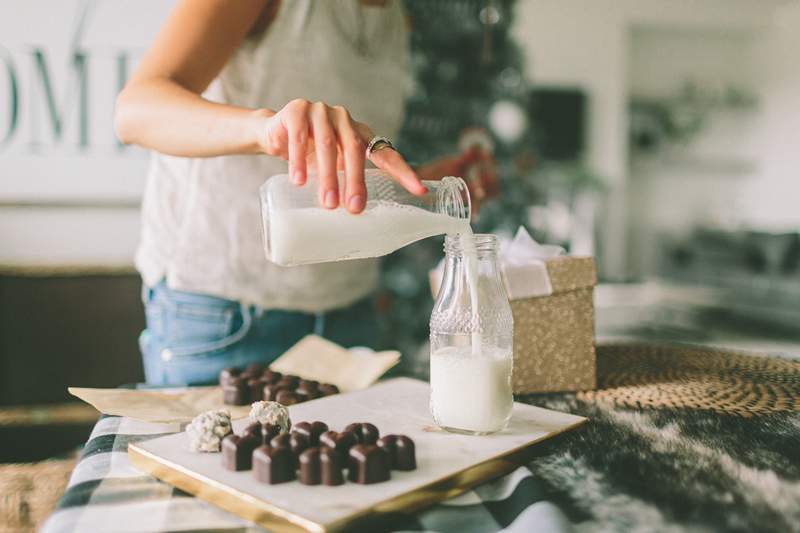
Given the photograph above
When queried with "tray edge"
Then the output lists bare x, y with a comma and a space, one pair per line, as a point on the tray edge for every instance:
273, 517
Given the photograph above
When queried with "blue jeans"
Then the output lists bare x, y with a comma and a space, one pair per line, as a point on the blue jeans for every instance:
191, 337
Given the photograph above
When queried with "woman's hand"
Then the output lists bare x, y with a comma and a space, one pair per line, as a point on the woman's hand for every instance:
476, 166
316, 136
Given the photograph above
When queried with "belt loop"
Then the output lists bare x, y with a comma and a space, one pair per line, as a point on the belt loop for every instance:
319, 324
147, 293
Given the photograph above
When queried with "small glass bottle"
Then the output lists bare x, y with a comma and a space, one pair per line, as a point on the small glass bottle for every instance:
471, 334
297, 230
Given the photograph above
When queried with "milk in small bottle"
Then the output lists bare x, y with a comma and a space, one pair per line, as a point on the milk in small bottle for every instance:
471, 335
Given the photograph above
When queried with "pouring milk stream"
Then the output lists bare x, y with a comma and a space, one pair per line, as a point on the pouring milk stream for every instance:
470, 385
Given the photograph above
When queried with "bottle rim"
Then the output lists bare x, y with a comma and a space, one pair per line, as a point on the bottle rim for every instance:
452, 197
479, 242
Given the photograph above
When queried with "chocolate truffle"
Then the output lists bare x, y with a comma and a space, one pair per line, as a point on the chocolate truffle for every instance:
287, 397
365, 432
256, 389
330, 464
207, 430
312, 431
401, 451
235, 391
267, 412
339, 442
368, 464
310, 471
270, 376
237, 452
273, 465
326, 389
228, 373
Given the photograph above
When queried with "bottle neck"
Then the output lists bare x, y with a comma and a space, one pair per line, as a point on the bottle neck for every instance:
472, 256
476, 245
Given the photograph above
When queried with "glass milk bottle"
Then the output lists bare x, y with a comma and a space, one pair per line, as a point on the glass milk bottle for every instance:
471, 340
298, 230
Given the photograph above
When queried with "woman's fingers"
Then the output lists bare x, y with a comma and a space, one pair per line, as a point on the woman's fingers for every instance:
296, 123
353, 148
339, 142
326, 155
393, 163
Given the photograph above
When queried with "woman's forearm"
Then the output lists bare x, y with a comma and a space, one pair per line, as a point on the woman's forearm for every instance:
161, 115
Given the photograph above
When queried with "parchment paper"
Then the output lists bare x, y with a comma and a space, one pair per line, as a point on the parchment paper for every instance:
311, 358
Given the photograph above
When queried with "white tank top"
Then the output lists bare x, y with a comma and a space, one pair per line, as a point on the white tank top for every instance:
200, 217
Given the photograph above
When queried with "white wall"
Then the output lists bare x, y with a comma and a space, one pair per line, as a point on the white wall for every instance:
773, 201
587, 44
68, 200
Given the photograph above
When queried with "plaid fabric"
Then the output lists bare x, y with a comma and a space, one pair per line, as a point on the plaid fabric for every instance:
106, 493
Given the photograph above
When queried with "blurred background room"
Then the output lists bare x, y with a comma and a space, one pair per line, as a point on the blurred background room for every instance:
660, 136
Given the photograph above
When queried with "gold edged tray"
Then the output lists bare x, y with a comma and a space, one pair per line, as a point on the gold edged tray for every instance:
448, 464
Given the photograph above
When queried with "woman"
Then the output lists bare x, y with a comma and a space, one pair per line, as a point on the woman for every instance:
227, 94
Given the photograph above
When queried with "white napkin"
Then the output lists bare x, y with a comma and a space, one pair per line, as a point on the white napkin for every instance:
522, 263
522, 267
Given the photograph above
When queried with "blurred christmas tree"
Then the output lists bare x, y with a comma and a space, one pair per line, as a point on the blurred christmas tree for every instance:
469, 88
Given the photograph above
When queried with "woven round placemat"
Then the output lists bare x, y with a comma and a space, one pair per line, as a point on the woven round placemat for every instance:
695, 378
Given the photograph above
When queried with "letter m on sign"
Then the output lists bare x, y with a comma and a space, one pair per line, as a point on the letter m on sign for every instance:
78, 90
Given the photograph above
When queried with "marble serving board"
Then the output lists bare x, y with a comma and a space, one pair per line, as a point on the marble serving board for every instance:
447, 464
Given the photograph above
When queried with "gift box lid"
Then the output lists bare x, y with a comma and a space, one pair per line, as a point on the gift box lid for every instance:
569, 273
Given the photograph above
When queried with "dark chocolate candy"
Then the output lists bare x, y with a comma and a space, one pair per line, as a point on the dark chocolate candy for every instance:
307, 395
253, 429
287, 397
294, 442
271, 391
310, 470
256, 388
331, 464
281, 441
401, 451
236, 392
237, 452
273, 465
289, 381
368, 464
269, 432
365, 432
270, 376
308, 386
312, 430
255, 369
326, 389
339, 442
227, 374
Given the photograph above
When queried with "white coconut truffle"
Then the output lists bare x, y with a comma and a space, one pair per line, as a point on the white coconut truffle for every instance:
271, 413
208, 429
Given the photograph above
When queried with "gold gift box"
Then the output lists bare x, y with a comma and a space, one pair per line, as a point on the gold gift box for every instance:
554, 334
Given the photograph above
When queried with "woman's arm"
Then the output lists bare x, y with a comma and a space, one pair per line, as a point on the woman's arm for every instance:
161, 108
